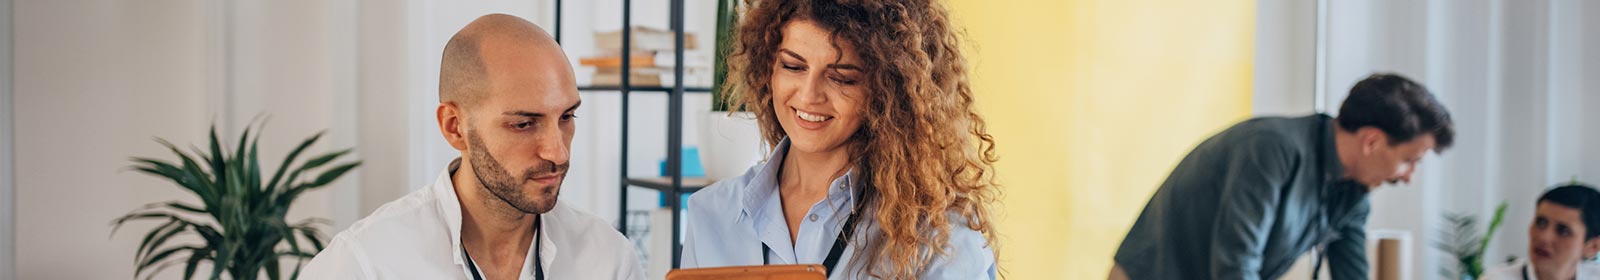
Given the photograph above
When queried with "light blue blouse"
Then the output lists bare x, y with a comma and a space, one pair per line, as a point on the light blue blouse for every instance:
729, 221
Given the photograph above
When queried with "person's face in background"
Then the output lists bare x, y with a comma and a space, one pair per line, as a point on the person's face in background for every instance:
519, 136
1382, 161
1557, 238
817, 95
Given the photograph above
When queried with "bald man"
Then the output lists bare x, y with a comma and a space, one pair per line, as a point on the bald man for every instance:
506, 102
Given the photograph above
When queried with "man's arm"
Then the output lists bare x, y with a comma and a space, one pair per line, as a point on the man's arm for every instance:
1246, 211
1347, 256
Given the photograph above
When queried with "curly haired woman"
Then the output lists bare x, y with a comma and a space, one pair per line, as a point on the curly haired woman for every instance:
880, 166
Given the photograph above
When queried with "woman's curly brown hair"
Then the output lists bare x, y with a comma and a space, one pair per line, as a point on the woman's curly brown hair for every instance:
923, 152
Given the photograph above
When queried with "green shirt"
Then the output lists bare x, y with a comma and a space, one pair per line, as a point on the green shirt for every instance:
1247, 203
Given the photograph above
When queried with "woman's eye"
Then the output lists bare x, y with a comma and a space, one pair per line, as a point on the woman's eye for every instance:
793, 68
843, 81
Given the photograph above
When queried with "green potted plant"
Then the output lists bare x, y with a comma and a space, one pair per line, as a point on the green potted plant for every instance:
1465, 245
727, 17
732, 140
240, 218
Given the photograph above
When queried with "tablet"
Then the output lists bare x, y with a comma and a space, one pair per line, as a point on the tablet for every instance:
755, 272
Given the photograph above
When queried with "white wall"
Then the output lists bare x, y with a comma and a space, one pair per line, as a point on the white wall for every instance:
382, 96
1284, 59
7, 192
97, 79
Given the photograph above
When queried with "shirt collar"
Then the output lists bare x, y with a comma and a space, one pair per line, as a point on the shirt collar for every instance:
1329, 149
764, 183
548, 233
1335, 186
450, 206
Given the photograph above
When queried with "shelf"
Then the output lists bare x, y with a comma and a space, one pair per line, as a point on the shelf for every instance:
664, 184
643, 88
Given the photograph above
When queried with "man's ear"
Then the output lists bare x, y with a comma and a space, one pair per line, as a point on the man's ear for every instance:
451, 125
1591, 247
1371, 138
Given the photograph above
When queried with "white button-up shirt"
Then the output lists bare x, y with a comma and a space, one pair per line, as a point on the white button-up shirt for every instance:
419, 237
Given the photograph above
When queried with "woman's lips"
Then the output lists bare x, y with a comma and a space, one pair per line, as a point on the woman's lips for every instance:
812, 121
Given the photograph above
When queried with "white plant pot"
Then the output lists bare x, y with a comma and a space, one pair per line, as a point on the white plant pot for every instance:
732, 143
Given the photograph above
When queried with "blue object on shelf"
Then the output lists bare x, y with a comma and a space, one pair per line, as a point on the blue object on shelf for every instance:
691, 169
691, 164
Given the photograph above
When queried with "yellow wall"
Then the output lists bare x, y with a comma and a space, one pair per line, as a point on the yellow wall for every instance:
1092, 103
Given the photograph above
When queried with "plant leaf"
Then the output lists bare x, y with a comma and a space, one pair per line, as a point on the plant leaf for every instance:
160, 267
136, 215
218, 164
333, 174
322, 180
194, 262
139, 254
164, 254
323, 159
290, 160
271, 266
194, 175
255, 166
246, 232
179, 206
162, 240
238, 155
314, 236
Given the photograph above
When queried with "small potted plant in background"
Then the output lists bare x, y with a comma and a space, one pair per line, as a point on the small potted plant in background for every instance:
1465, 245
240, 218
732, 138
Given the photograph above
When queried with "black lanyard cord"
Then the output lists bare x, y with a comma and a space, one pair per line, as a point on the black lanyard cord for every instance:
538, 263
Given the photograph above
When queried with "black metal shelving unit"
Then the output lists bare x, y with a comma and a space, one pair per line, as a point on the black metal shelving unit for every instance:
674, 185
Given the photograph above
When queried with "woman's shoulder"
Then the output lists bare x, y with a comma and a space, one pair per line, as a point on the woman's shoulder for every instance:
964, 238
725, 195
725, 189
967, 254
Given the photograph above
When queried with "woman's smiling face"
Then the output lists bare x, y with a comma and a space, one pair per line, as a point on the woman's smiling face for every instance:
817, 94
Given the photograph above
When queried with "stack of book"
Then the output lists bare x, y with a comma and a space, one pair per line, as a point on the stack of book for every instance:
651, 59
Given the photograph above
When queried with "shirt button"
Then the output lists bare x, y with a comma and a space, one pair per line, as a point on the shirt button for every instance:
813, 217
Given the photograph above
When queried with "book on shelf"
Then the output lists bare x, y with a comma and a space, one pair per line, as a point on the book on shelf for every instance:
640, 59
644, 39
615, 79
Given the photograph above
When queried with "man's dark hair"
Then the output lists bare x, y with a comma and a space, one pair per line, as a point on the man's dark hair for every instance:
1403, 109
1581, 197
